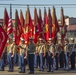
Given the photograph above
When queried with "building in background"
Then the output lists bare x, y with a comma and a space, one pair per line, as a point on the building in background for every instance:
71, 27
70, 21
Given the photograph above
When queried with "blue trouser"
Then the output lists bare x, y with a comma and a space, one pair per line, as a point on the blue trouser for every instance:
72, 59
22, 67
35, 60
61, 59
44, 62
66, 61
38, 60
10, 61
31, 62
50, 62
4, 57
41, 61
54, 63
2, 61
56, 60
19, 61
1, 64
15, 58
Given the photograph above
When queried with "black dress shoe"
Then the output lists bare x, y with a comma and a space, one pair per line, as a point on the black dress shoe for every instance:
48, 71
66, 69
19, 68
11, 71
56, 69
41, 70
8, 70
31, 73
2, 70
23, 72
51, 71
20, 72
72, 68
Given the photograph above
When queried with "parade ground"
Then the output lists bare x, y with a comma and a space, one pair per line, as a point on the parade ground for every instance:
37, 72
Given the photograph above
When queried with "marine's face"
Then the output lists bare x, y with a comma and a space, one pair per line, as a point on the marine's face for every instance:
50, 42
66, 42
56, 44
72, 41
13, 42
22, 42
10, 41
40, 41
31, 41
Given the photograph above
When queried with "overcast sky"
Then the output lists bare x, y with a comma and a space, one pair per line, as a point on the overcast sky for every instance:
69, 10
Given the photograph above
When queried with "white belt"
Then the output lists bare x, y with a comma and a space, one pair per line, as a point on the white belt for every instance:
10, 52
31, 53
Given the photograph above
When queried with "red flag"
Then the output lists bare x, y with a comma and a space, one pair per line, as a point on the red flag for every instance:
17, 29
27, 26
26, 35
44, 27
10, 28
54, 36
48, 25
6, 19
22, 20
36, 26
55, 27
63, 27
41, 35
47, 34
3, 40
31, 28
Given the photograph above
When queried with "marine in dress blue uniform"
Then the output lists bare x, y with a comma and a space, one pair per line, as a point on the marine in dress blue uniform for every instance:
31, 50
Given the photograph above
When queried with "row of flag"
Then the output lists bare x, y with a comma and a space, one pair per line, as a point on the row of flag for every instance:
37, 28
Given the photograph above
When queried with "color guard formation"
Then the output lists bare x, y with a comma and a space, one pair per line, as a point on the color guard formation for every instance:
43, 55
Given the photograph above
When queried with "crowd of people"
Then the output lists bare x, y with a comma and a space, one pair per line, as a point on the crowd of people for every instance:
43, 55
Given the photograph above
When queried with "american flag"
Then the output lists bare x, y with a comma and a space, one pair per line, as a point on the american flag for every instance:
9, 29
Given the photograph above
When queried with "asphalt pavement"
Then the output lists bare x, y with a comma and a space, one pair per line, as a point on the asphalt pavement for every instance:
37, 72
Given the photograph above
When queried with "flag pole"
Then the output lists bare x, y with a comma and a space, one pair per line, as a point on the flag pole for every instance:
11, 17
11, 11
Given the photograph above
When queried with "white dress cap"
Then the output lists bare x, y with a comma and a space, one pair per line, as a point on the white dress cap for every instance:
71, 38
50, 39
